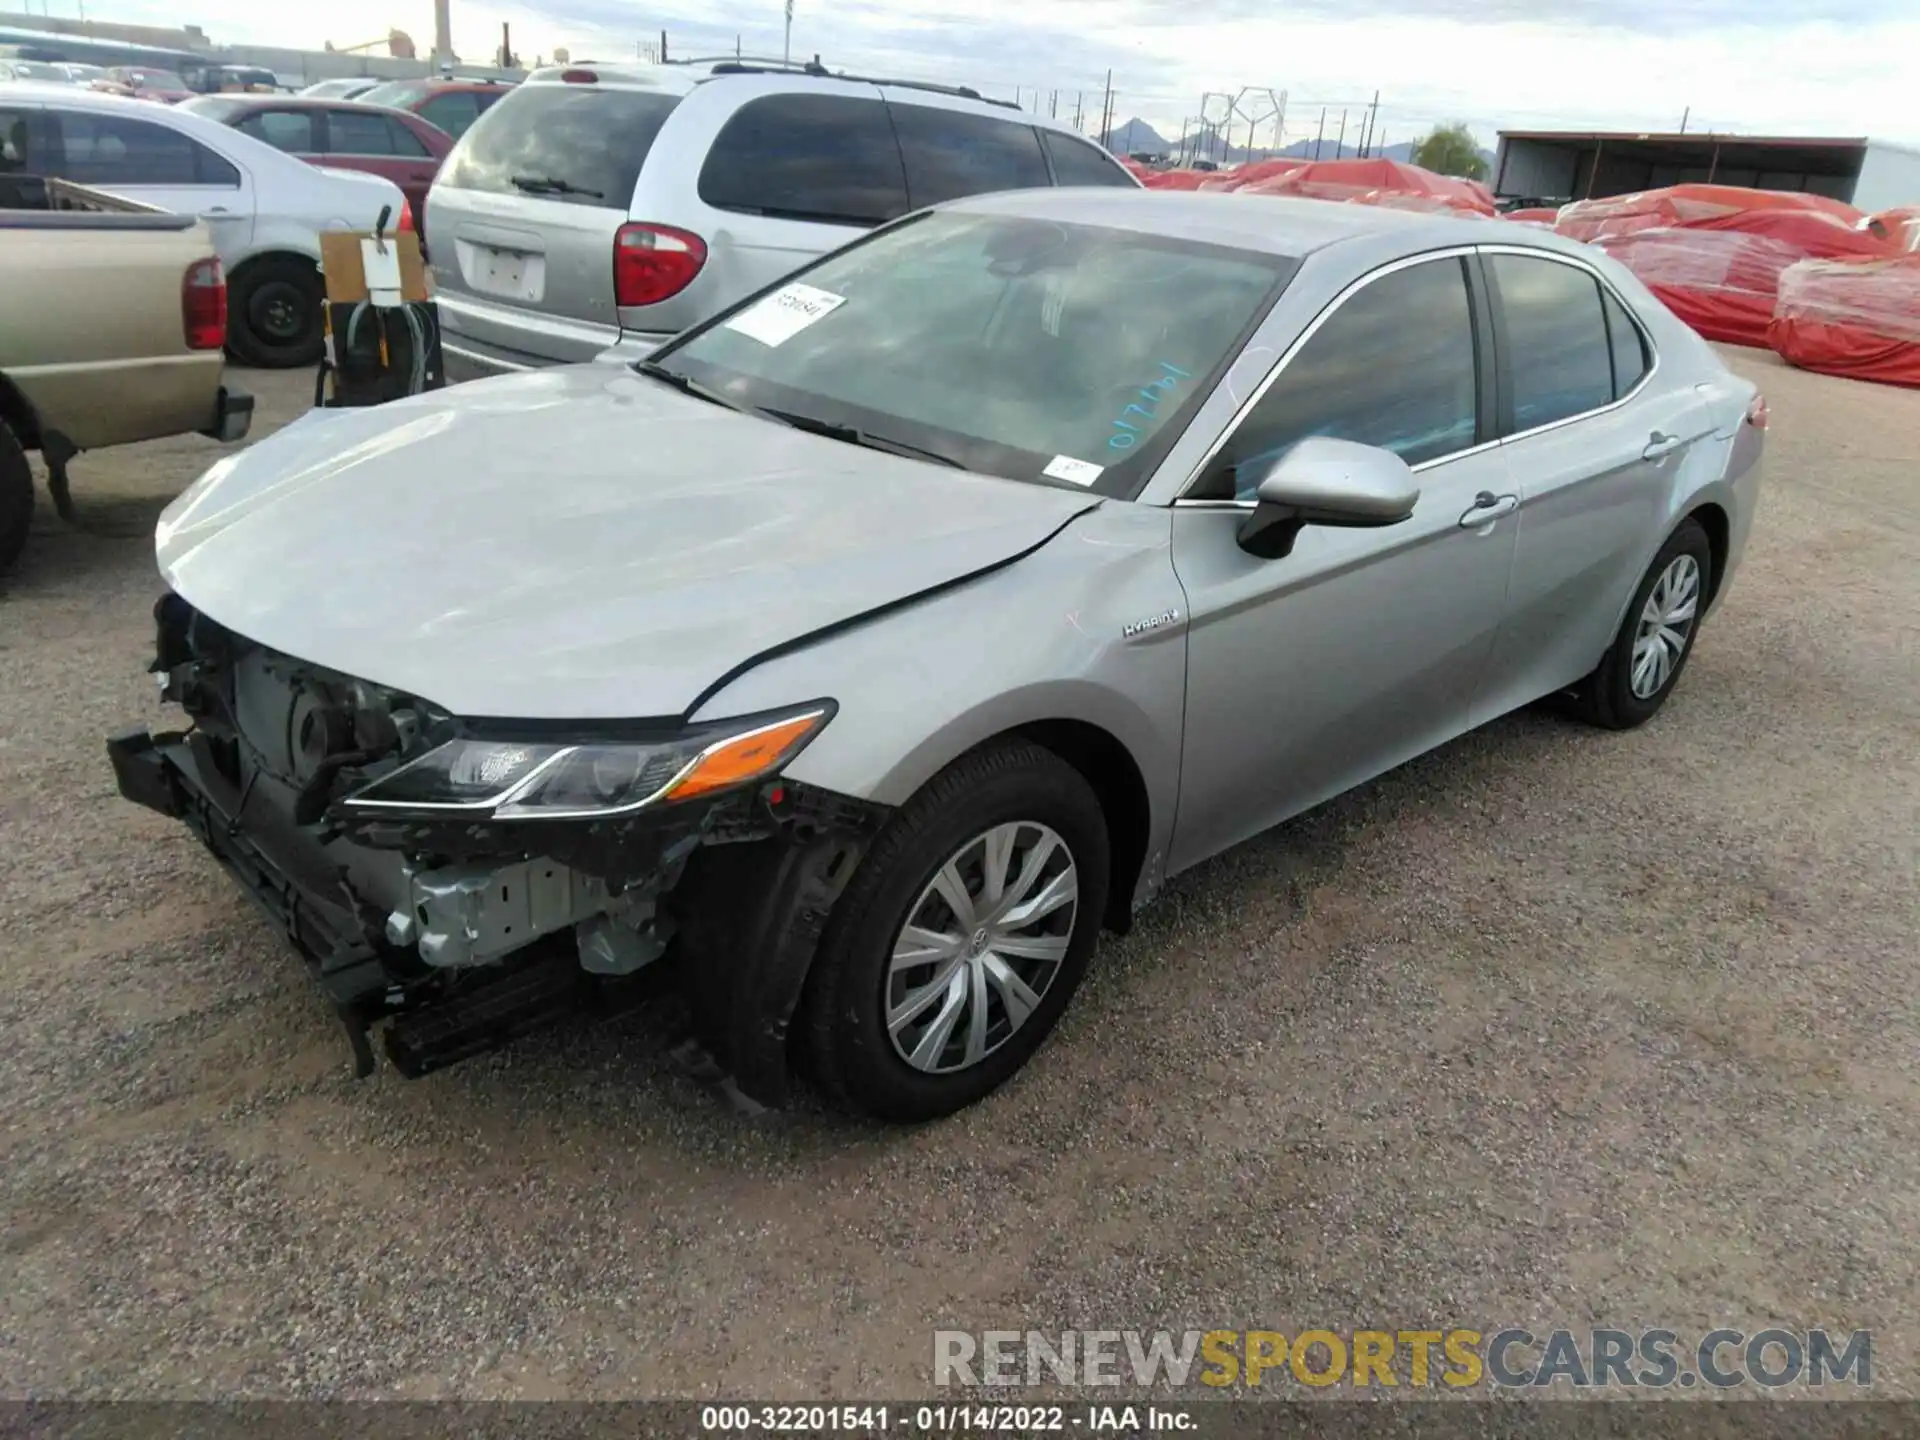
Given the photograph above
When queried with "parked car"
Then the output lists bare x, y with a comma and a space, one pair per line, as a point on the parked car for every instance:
341, 133
451, 105
111, 325
866, 649
349, 87
83, 74
266, 208
149, 84
601, 204
35, 70
239, 80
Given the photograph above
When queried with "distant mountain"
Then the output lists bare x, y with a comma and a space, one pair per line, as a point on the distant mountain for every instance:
1138, 137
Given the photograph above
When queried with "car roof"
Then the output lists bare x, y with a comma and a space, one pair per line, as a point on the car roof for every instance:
303, 102
1272, 224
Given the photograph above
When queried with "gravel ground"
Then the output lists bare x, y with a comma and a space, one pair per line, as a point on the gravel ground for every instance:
1551, 1027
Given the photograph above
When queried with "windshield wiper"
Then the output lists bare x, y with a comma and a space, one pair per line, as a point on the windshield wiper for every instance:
854, 435
687, 385
547, 185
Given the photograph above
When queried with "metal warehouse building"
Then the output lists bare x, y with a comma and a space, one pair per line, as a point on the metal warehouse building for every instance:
1557, 166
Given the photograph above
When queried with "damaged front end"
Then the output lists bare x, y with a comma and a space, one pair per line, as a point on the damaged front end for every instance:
456, 882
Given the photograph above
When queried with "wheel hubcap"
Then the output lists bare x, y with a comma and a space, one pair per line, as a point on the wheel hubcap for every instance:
981, 947
277, 313
1666, 624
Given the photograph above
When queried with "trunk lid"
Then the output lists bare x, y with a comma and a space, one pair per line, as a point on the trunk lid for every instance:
573, 543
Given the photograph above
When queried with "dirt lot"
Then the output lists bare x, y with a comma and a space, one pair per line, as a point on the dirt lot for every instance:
1553, 1027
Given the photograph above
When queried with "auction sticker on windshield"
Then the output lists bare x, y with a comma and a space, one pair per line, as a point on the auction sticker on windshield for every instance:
785, 313
1078, 472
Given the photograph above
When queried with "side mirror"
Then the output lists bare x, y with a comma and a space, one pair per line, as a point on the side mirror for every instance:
1321, 481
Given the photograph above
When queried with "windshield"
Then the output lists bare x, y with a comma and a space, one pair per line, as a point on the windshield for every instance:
35, 70
152, 79
395, 94
1012, 346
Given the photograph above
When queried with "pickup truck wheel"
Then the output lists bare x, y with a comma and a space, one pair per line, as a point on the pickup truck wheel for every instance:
275, 306
16, 497
961, 937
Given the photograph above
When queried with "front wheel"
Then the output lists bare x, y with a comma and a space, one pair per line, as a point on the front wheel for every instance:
275, 314
961, 938
1644, 662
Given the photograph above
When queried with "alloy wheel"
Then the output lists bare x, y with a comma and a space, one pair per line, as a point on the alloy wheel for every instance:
981, 946
1666, 624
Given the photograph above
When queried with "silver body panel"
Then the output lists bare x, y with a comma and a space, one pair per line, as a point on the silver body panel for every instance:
587, 543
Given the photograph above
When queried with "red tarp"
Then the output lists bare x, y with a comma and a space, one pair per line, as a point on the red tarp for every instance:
1370, 181
1257, 173
1536, 215
1856, 318
1686, 205
1176, 179
1721, 275
1901, 225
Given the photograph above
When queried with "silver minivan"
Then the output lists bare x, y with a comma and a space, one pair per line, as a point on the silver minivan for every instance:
600, 206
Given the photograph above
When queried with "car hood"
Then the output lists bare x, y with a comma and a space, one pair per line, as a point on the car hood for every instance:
573, 543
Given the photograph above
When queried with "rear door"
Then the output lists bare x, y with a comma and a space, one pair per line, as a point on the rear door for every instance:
787, 176
1594, 435
380, 145
154, 163
522, 219
951, 151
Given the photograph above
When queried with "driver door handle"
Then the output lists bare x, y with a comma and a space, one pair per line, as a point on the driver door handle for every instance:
1487, 508
1660, 445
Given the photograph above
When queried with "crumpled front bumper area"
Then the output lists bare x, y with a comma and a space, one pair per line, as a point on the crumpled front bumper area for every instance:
750, 906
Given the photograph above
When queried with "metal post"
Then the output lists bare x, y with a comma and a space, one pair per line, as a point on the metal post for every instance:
1683, 119
1340, 139
1713, 165
786, 47
1594, 168
1079, 111
1321, 133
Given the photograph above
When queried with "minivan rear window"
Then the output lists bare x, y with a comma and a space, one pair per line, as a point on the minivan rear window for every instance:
583, 144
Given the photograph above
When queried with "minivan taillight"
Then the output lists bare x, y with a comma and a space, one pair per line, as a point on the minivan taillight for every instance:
579, 77
1757, 412
203, 305
652, 263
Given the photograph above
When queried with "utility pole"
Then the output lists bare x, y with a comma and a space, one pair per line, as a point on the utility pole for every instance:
1106, 113
442, 34
786, 47
1053, 104
1683, 119
1079, 111
1341, 138
1373, 113
1321, 133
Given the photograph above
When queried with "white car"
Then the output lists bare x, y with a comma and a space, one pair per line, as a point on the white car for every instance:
266, 209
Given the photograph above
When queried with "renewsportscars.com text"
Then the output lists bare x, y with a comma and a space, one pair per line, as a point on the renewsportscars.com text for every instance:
1454, 1358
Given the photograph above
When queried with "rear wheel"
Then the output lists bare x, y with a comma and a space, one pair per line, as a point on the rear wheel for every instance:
16, 496
962, 936
1644, 662
275, 313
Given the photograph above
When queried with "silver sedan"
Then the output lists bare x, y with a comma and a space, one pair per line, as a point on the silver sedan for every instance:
861, 654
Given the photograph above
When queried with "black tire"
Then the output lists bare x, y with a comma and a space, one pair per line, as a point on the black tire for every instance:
1606, 697
16, 497
843, 1025
273, 319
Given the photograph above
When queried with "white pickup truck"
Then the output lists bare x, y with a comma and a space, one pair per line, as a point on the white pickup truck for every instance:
112, 320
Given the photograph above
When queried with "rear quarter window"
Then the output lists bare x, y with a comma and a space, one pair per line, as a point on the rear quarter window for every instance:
590, 139
1075, 162
831, 158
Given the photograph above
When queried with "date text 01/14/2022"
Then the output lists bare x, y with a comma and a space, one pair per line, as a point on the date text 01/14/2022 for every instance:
940, 1419
1126, 431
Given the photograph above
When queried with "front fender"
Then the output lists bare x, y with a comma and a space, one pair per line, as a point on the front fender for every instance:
1042, 640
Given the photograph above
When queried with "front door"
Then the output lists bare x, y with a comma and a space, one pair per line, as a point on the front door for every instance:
1311, 673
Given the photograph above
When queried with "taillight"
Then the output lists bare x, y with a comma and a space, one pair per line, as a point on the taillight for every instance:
1757, 412
406, 213
652, 263
203, 305
579, 77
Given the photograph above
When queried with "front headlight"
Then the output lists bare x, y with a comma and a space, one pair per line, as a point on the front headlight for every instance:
541, 780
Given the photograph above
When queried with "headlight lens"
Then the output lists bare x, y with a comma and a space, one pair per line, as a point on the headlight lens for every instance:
516, 780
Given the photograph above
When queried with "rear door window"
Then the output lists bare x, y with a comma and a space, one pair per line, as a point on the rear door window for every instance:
1558, 353
20, 150
951, 153
288, 130
117, 150
1075, 162
353, 132
831, 158
453, 112
583, 144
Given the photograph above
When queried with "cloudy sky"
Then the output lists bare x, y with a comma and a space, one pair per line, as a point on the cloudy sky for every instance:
1832, 67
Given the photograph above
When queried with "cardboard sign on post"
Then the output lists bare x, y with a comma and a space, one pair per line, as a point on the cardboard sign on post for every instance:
346, 274
383, 330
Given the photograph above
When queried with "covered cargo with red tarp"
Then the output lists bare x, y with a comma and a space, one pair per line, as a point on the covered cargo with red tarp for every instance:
1722, 275
1855, 318
1176, 179
1355, 179
1687, 205
1900, 225
1254, 174
1533, 215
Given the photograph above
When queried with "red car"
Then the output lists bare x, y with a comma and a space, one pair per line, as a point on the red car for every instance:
145, 83
451, 104
342, 133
